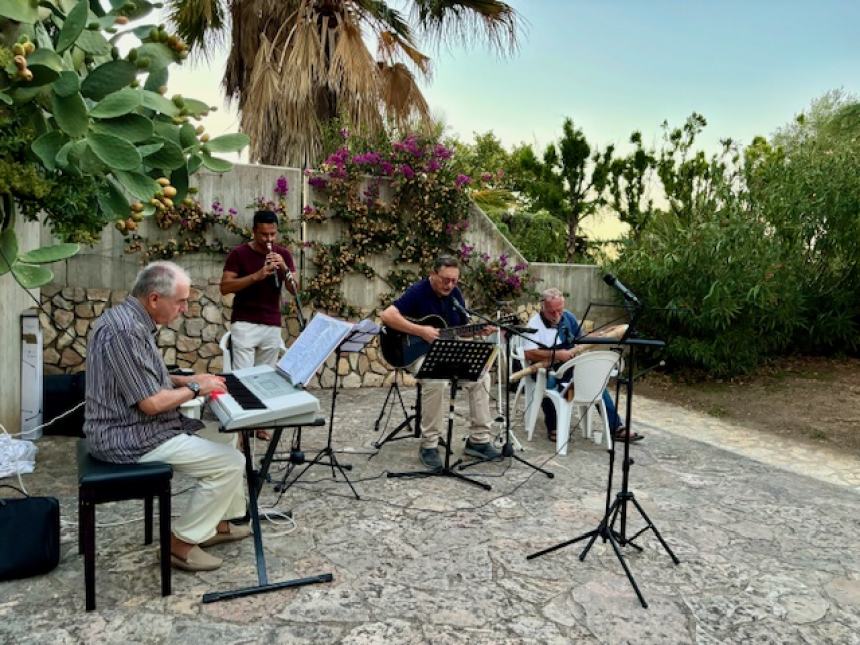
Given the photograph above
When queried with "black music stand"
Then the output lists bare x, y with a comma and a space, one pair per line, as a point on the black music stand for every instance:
255, 483
392, 397
453, 360
606, 528
355, 341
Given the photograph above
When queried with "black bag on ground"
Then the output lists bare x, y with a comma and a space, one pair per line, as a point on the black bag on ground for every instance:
29, 535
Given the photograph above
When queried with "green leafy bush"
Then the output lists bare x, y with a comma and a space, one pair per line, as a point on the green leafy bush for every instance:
717, 289
808, 190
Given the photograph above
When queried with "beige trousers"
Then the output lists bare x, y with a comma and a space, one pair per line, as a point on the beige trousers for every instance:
433, 417
212, 459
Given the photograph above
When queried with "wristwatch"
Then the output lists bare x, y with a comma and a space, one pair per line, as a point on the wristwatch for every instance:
194, 386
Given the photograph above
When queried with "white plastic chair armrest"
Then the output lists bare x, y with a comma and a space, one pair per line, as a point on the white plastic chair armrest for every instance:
192, 409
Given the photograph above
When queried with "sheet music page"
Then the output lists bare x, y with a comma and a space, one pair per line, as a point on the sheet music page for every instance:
313, 346
362, 333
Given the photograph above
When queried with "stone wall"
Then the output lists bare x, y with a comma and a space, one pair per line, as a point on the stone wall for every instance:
190, 341
98, 276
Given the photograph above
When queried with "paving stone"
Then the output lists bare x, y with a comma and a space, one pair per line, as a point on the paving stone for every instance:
766, 551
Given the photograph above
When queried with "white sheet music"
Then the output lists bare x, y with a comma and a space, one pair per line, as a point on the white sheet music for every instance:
313, 346
362, 333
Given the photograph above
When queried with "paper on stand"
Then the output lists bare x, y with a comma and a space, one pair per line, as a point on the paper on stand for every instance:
313, 346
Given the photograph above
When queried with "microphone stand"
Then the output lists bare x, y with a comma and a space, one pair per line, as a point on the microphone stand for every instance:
298, 298
616, 510
508, 448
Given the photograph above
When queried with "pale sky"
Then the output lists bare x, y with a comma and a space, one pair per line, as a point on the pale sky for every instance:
616, 66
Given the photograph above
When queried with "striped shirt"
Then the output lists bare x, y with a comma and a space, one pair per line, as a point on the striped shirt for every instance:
124, 367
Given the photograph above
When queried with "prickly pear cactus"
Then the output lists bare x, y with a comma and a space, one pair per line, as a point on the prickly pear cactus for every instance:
98, 114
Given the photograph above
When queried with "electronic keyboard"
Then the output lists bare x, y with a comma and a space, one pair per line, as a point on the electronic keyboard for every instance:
262, 395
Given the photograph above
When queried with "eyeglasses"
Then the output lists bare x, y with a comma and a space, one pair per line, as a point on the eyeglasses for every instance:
446, 281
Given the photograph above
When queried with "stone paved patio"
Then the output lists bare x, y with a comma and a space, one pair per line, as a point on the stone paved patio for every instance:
768, 552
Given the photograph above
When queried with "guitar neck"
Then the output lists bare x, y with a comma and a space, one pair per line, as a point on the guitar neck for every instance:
462, 330
470, 330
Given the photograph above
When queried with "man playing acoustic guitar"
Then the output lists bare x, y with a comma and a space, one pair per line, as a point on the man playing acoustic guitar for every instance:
435, 296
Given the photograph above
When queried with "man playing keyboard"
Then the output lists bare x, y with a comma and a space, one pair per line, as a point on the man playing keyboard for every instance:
131, 414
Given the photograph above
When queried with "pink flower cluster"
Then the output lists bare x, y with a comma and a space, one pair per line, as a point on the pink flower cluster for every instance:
409, 145
462, 180
457, 227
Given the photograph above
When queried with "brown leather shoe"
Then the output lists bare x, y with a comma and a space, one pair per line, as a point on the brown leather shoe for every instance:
196, 560
234, 533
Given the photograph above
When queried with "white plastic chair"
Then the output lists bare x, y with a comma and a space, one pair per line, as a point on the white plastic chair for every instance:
193, 408
227, 354
591, 372
226, 360
532, 389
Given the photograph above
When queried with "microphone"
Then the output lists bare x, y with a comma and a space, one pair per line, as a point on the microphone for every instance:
275, 274
460, 307
629, 296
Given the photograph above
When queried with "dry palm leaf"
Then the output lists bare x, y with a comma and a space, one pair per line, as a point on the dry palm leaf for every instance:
400, 95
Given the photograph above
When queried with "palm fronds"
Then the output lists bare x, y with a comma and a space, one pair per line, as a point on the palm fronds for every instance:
200, 23
467, 21
296, 64
402, 99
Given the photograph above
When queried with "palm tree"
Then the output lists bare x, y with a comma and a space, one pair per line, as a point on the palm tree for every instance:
296, 64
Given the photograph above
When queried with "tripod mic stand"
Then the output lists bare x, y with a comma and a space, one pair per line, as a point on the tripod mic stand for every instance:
606, 528
327, 451
392, 397
508, 448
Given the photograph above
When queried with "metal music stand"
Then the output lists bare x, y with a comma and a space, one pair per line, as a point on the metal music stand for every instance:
606, 528
453, 360
355, 341
255, 483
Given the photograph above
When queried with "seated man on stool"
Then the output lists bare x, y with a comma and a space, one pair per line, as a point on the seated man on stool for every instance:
436, 295
131, 414
557, 328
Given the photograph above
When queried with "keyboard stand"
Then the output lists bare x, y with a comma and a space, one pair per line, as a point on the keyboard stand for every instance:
255, 483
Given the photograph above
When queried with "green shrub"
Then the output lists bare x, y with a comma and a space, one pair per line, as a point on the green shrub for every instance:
808, 190
717, 288
540, 237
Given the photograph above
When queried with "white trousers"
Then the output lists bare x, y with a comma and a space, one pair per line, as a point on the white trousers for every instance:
212, 459
254, 344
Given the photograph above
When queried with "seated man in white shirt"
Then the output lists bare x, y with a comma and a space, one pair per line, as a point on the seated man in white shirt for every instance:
557, 328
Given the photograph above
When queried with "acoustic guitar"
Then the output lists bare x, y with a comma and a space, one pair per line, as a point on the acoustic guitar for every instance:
400, 349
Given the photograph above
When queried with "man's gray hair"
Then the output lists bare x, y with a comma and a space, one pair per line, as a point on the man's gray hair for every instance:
159, 277
550, 294
445, 261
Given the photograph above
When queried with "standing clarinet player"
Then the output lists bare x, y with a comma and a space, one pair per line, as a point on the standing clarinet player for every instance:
255, 271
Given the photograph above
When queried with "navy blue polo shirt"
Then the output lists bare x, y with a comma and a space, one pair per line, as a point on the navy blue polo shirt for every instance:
419, 300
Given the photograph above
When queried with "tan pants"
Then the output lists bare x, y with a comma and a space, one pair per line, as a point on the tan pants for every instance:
212, 459
433, 407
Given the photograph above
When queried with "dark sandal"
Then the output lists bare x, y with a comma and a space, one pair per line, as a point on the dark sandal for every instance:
621, 433
551, 435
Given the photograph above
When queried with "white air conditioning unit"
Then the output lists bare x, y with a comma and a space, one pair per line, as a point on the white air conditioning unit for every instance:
31, 375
